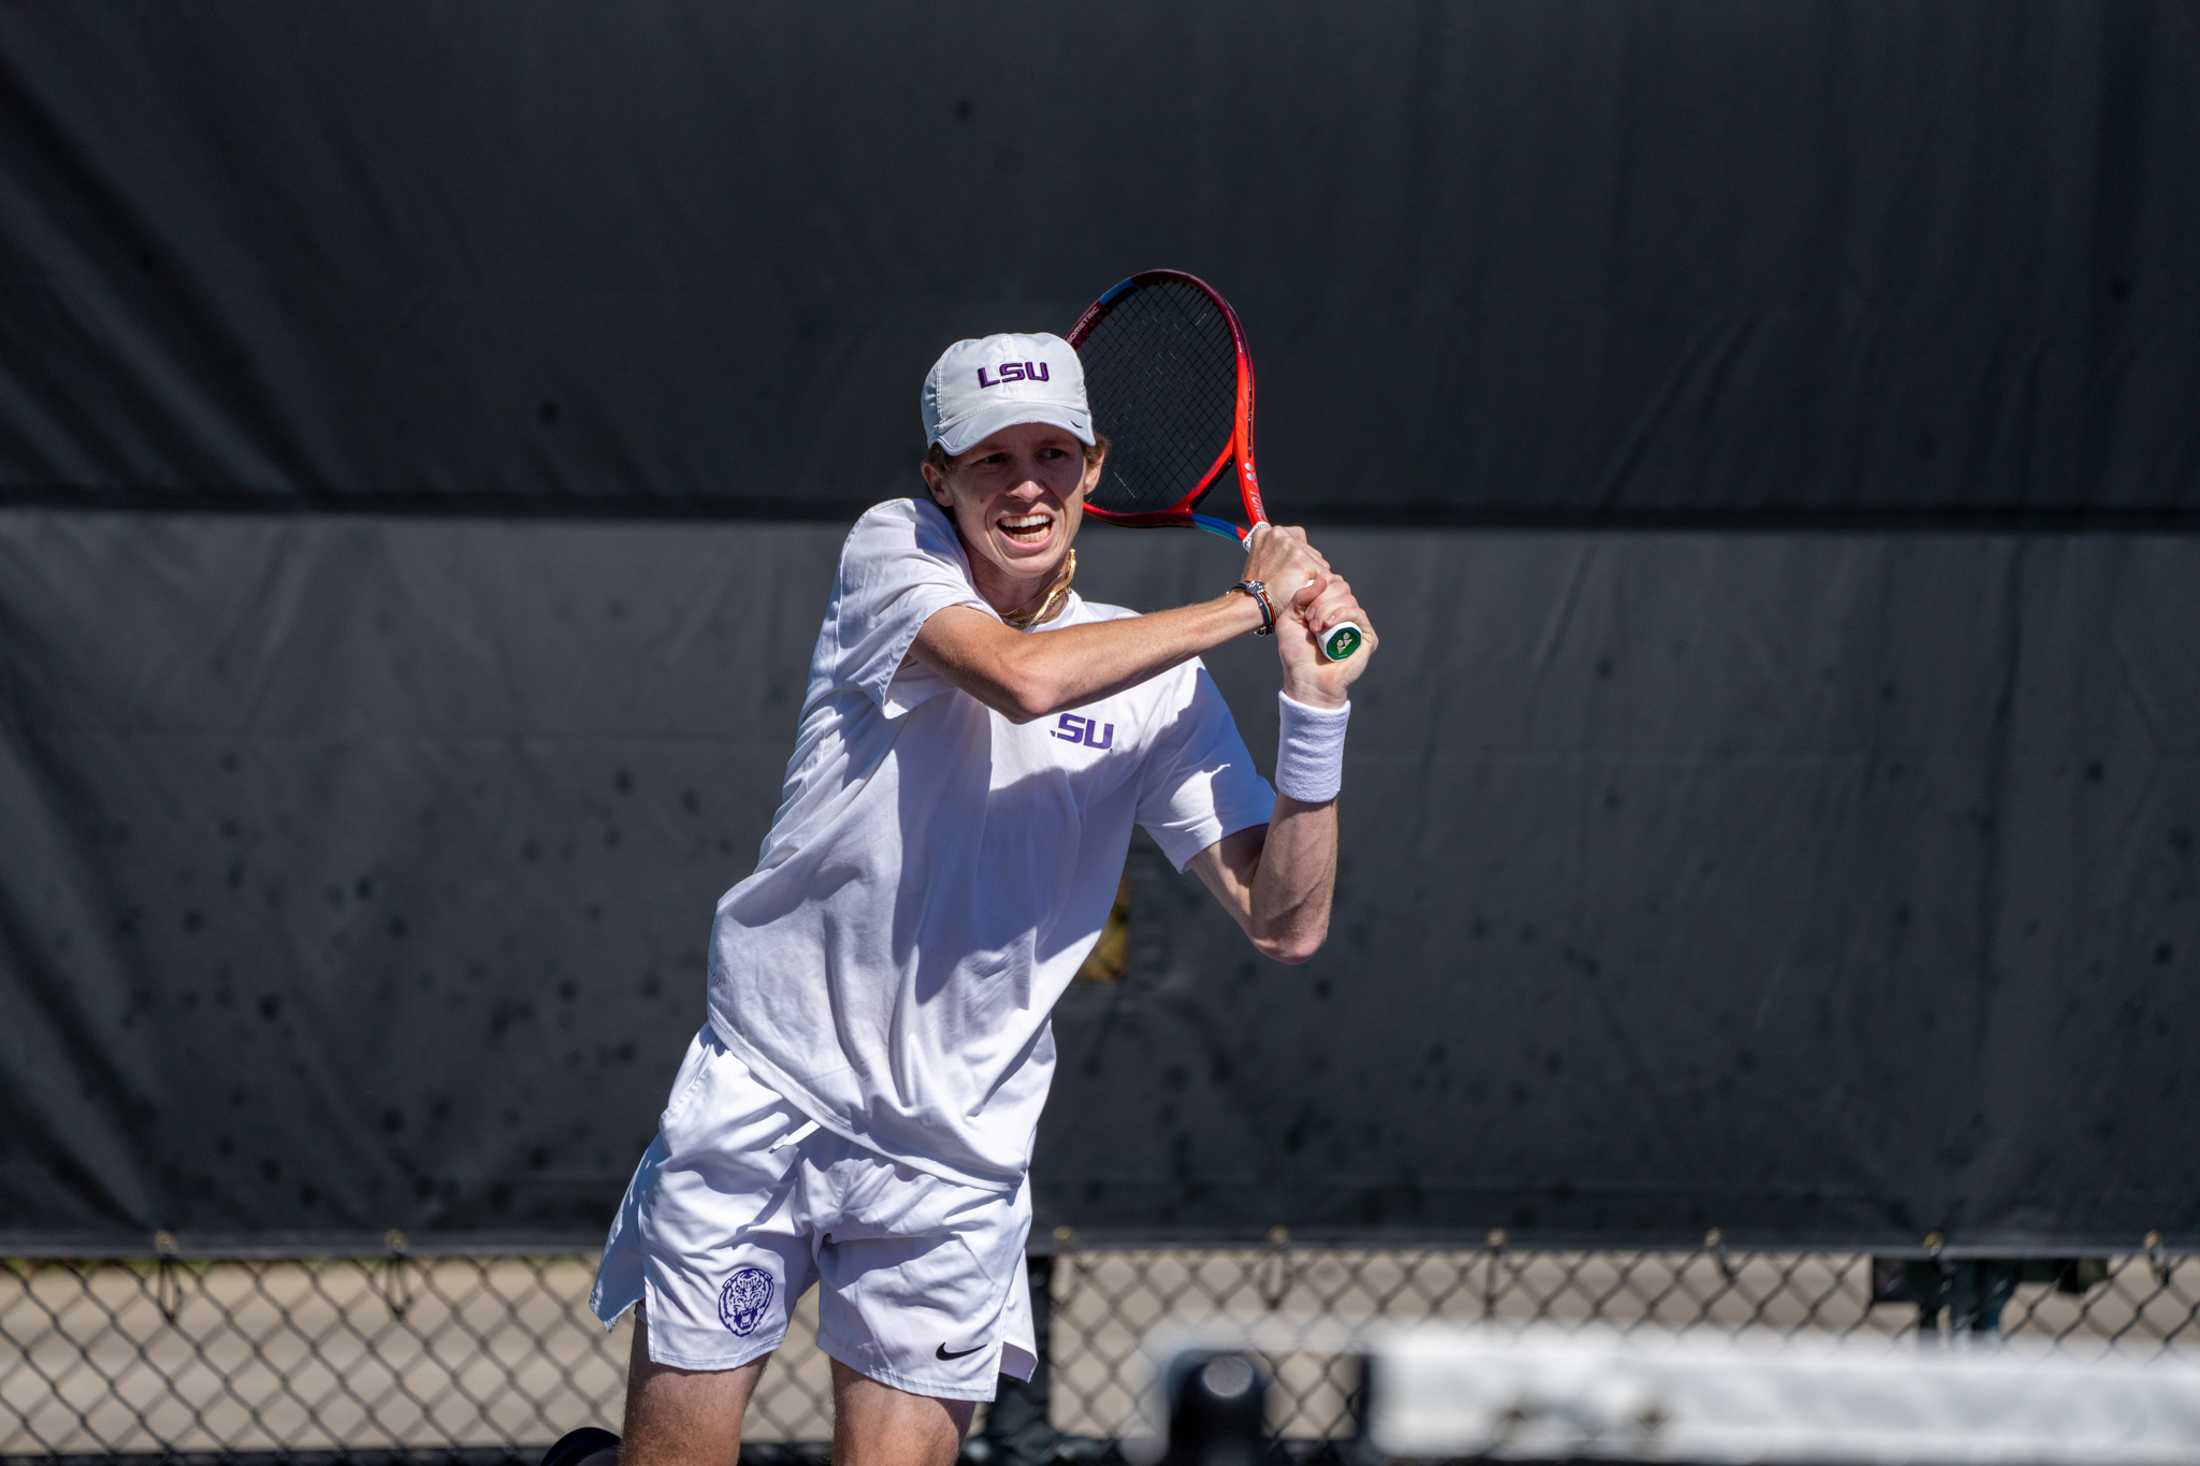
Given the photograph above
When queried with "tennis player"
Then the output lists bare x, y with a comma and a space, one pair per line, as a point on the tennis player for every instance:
976, 742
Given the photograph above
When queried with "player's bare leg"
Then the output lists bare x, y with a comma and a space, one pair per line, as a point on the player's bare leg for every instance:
682, 1417
878, 1425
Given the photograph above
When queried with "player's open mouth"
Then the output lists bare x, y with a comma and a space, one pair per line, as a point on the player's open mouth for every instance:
1025, 529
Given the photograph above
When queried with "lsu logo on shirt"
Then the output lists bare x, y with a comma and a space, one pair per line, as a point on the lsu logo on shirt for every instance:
1090, 732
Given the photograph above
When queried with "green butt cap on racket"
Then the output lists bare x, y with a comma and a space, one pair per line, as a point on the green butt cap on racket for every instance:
1342, 640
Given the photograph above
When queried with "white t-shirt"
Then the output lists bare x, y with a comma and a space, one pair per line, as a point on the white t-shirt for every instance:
936, 873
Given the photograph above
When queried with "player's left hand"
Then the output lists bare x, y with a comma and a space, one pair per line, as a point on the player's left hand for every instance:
1308, 676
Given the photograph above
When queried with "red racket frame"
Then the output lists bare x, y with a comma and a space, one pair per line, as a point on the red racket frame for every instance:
1238, 447
1337, 642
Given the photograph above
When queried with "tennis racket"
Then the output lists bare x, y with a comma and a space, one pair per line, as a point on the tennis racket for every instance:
1171, 385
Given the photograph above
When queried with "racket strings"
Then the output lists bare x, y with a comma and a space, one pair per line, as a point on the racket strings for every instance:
1161, 372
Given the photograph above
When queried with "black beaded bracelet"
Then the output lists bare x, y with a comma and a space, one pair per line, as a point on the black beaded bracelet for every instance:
1259, 593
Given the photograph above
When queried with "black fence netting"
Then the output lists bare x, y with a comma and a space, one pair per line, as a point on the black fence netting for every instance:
496, 1356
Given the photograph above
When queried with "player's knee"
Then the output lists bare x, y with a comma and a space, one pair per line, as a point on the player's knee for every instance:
676, 1415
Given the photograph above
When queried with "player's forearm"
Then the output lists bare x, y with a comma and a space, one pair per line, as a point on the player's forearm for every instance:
1296, 881
1079, 664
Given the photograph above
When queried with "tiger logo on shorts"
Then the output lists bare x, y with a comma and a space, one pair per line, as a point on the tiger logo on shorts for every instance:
741, 1303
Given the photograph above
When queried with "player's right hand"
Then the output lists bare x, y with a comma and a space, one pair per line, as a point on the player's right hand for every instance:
1309, 676
1279, 557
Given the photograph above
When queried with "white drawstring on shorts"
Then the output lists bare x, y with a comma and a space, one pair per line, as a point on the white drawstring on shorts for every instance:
794, 1136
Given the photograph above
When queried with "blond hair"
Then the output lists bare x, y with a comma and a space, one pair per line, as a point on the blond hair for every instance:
937, 456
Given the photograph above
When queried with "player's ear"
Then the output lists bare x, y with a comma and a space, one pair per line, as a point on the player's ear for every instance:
1096, 458
935, 483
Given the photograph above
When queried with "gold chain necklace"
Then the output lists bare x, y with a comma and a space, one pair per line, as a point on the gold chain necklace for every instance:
1053, 599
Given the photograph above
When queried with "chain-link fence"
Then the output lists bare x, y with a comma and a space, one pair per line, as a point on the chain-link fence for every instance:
444, 1356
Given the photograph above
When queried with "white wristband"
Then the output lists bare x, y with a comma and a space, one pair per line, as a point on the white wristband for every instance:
1310, 750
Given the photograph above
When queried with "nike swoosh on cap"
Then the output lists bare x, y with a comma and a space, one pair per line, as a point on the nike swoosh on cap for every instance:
943, 1353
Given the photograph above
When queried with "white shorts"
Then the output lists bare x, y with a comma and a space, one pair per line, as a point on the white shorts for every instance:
741, 1203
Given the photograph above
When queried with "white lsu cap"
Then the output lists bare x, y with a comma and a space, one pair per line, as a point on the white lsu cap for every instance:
978, 387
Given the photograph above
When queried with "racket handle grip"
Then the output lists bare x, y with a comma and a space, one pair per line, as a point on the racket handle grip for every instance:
1342, 640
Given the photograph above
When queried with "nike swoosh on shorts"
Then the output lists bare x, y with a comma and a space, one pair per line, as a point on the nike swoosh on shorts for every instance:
942, 1351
